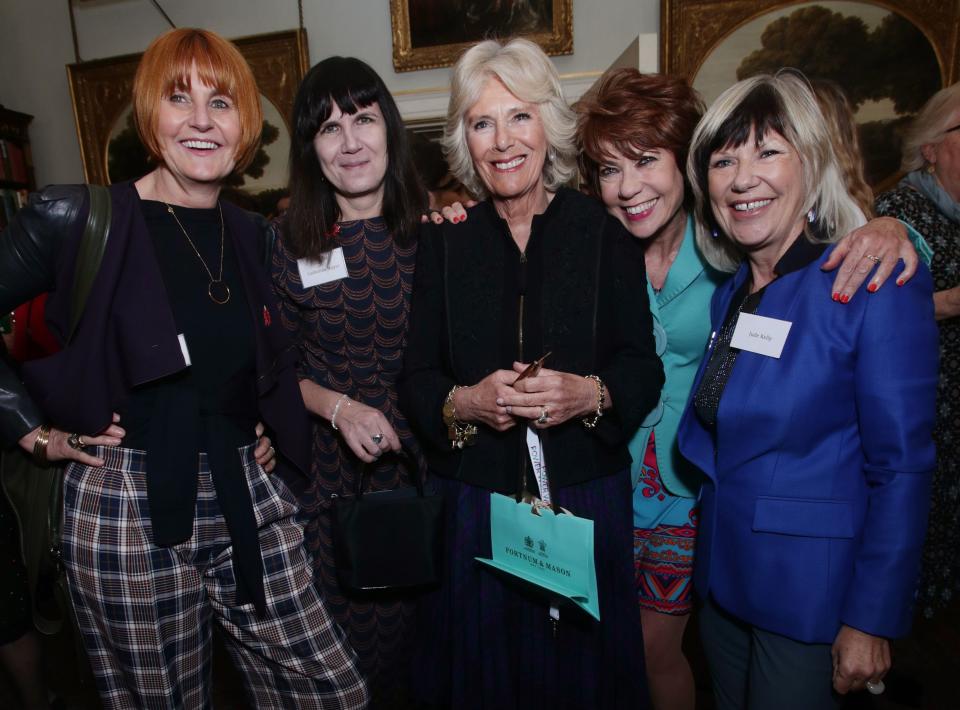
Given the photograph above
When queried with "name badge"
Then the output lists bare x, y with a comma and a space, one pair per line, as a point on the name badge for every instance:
761, 335
535, 447
332, 267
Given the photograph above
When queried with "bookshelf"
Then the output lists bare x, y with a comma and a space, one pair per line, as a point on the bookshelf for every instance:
16, 174
16, 162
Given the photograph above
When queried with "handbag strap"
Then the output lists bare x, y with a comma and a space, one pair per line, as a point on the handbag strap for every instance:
93, 243
418, 476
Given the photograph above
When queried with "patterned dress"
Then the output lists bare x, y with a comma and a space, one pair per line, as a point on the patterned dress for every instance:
351, 333
940, 577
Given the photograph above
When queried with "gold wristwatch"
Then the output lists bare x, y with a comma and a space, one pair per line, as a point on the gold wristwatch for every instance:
460, 433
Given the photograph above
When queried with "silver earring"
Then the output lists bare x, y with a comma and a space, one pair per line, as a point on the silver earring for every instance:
811, 216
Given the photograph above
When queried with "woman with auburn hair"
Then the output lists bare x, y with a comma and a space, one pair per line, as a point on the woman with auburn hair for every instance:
634, 132
169, 523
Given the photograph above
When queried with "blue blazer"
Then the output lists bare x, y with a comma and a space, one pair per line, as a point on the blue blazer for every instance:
814, 509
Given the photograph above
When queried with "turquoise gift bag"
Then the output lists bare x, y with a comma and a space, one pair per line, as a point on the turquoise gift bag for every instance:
553, 551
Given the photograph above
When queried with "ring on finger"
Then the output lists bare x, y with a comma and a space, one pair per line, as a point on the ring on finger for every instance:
377, 438
76, 442
872, 257
875, 688
544, 416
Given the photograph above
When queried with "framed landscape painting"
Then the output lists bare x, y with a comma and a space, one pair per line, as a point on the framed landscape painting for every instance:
433, 33
889, 56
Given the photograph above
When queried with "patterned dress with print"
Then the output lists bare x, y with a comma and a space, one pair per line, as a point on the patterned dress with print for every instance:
940, 576
351, 333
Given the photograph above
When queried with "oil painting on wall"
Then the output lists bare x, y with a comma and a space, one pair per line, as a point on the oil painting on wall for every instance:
888, 62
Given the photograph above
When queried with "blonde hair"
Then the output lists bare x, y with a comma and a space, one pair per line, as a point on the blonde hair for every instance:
166, 66
783, 103
523, 68
845, 140
929, 127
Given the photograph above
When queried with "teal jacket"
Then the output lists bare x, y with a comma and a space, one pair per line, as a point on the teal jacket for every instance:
681, 328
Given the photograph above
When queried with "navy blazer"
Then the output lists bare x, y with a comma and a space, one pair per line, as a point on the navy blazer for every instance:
127, 335
815, 507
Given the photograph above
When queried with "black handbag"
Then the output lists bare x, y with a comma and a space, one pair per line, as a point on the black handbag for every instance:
388, 540
35, 491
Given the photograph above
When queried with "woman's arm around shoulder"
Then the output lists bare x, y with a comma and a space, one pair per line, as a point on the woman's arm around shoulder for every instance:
874, 248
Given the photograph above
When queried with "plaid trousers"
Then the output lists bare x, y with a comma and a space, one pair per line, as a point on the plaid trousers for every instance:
145, 612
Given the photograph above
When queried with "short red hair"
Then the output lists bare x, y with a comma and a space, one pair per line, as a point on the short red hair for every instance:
165, 67
632, 112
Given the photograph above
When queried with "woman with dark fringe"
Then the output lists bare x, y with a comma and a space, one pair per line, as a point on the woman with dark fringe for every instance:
343, 270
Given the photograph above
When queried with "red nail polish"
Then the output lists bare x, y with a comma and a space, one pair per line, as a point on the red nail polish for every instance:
836, 296
900, 282
845, 298
872, 288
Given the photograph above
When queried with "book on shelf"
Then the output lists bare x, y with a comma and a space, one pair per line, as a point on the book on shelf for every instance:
13, 162
18, 162
11, 203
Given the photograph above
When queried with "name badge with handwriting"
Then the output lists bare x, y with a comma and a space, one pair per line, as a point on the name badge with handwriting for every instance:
761, 335
332, 267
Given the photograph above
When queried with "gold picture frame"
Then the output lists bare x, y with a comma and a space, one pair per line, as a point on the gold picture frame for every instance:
454, 25
101, 90
712, 43
690, 29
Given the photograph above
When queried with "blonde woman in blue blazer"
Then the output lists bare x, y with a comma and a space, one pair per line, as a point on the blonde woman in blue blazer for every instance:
811, 421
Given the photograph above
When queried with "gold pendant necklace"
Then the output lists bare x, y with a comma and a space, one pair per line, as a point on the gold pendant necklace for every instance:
217, 290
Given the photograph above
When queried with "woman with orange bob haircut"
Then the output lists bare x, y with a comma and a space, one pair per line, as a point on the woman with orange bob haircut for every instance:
170, 521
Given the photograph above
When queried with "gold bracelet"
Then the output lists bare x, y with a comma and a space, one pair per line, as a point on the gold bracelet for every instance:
591, 421
460, 433
40, 444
